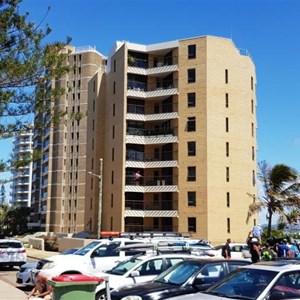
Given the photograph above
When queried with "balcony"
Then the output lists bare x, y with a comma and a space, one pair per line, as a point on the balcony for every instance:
151, 184
151, 136
137, 89
138, 208
164, 159
142, 228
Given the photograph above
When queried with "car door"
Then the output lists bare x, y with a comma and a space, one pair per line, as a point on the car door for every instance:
104, 257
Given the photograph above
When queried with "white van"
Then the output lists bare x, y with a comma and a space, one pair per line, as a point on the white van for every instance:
96, 257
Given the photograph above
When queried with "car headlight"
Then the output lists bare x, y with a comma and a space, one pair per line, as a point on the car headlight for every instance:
132, 298
48, 265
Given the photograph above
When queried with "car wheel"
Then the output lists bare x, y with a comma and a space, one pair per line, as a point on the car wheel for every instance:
101, 295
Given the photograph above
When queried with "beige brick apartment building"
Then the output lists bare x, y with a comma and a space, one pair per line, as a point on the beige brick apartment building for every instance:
183, 114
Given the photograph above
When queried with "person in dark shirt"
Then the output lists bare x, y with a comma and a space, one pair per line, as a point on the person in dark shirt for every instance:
255, 250
226, 252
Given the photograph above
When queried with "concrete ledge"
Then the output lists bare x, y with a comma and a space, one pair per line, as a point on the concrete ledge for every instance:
36, 243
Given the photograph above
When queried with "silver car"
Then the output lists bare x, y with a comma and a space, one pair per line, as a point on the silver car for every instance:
24, 274
12, 253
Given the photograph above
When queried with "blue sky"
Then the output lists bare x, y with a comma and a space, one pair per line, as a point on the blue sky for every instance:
269, 30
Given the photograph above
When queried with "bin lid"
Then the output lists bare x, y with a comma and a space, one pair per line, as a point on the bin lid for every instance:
77, 278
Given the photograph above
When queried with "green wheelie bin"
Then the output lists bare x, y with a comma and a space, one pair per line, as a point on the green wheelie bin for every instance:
74, 287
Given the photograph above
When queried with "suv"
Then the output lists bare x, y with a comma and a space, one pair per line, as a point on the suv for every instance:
12, 253
97, 256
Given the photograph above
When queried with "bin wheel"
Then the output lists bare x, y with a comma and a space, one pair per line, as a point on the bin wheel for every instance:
101, 295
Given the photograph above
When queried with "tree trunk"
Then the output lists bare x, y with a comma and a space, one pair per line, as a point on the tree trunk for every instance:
269, 223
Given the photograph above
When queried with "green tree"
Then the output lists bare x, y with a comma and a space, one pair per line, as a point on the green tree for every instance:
27, 65
280, 192
2, 194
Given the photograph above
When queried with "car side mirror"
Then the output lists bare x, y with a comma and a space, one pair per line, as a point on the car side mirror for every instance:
276, 295
199, 281
135, 274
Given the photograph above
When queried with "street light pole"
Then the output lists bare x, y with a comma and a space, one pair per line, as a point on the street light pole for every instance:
100, 195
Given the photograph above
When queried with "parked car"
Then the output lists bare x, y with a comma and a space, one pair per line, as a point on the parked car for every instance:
139, 268
268, 280
12, 253
24, 274
238, 250
97, 256
188, 276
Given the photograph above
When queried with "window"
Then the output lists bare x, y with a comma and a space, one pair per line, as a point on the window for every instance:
115, 65
191, 75
191, 124
227, 174
226, 75
191, 198
253, 153
113, 154
252, 106
113, 132
191, 51
191, 99
251, 83
114, 109
114, 87
253, 178
226, 100
192, 224
191, 148
252, 129
191, 174
227, 124
112, 200
112, 177
227, 149
228, 225
228, 199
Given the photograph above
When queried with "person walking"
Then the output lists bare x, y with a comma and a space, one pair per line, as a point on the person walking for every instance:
226, 252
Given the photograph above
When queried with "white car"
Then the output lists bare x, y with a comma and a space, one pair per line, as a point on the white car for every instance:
12, 253
139, 268
238, 251
96, 257
269, 280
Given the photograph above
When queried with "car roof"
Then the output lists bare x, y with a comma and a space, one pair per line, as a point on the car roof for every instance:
167, 255
216, 259
10, 240
278, 265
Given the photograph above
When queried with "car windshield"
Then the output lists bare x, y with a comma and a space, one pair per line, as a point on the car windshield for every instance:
179, 273
243, 283
124, 266
84, 250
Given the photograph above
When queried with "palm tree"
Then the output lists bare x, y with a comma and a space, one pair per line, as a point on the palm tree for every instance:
280, 190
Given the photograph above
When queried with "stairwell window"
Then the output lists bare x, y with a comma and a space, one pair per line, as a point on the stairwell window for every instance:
191, 198
228, 199
191, 148
191, 51
191, 99
226, 100
226, 76
227, 124
228, 225
227, 174
227, 149
192, 225
191, 75
191, 174
191, 124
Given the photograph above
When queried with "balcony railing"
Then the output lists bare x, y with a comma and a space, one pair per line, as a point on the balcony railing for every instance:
141, 205
160, 156
151, 109
152, 181
152, 62
142, 228
142, 86
150, 132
